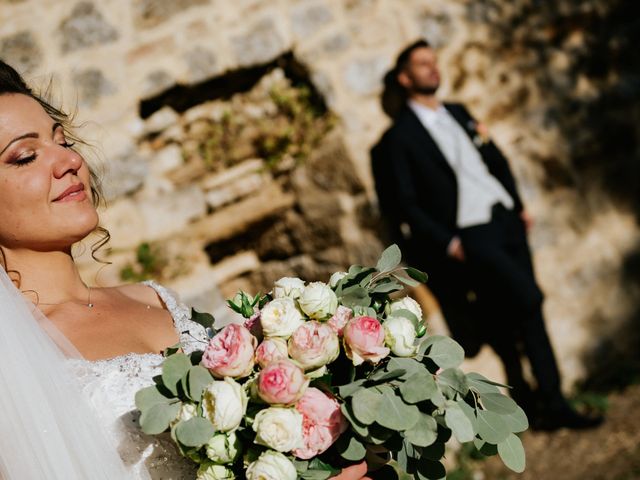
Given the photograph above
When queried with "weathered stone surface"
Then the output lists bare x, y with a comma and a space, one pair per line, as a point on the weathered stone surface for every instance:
21, 51
124, 174
163, 118
156, 82
167, 159
336, 43
149, 13
85, 27
235, 190
261, 43
92, 86
202, 64
169, 214
307, 18
236, 218
435, 27
364, 75
246, 168
123, 220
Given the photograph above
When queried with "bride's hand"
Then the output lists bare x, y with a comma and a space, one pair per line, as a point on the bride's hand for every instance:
354, 472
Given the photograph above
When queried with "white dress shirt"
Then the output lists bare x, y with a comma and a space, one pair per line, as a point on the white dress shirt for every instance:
478, 190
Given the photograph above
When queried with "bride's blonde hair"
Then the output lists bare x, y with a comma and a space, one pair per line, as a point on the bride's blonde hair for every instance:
12, 83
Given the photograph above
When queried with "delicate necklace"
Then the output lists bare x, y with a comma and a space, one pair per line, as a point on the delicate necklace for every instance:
89, 303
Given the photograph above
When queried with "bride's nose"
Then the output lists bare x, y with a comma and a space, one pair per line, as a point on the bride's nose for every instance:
66, 161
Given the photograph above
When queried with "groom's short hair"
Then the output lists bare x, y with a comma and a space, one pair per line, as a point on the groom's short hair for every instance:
402, 61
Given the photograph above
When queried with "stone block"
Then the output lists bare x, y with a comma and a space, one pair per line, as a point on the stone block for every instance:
239, 188
202, 64
217, 180
163, 118
308, 17
150, 13
167, 159
124, 173
171, 213
156, 82
261, 43
21, 51
363, 76
238, 217
85, 27
125, 223
92, 85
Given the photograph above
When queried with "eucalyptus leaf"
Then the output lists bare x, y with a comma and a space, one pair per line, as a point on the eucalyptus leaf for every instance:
424, 432
173, 369
393, 413
383, 376
350, 388
378, 435
199, 378
389, 259
388, 286
430, 470
355, 296
496, 402
350, 448
195, 432
360, 428
148, 397
455, 379
156, 419
410, 365
406, 280
418, 387
459, 423
417, 274
480, 384
492, 427
485, 448
445, 352
470, 412
512, 453
366, 404
517, 421
434, 452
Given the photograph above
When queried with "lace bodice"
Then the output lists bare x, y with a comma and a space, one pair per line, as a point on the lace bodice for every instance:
111, 385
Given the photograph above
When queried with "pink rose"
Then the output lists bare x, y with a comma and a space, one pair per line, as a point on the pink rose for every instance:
313, 345
340, 318
322, 423
364, 340
270, 350
230, 352
281, 383
254, 325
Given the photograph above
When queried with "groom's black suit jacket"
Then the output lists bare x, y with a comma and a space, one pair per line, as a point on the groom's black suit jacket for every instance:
416, 186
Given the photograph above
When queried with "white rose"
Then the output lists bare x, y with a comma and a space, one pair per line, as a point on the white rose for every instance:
280, 318
335, 278
407, 303
214, 472
318, 301
400, 335
278, 428
271, 466
288, 287
224, 403
223, 448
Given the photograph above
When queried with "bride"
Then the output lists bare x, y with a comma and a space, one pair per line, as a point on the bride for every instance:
72, 357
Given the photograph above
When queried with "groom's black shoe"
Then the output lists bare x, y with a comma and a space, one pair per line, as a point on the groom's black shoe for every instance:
565, 417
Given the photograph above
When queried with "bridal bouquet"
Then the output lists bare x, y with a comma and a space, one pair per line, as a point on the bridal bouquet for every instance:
321, 375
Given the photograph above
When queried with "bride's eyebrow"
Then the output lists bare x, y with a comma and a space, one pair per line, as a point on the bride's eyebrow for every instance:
55, 126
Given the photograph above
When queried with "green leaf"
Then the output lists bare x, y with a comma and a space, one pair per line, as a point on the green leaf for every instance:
445, 352
349, 389
492, 427
195, 432
434, 452
410, 365
512, 453
387, 286
459, 423
389, 259
366, 404
517, 421
406, 280
424, 432
378, 435
417, 274
156, 419
148, 397
470, 412
454, 379
358, 427
393, 413
350, 448
496, 402
173, 349
418, 387
355, 296
485, 448
382, 375
205, 319
173, 369
198, 378
313, 474
481, 384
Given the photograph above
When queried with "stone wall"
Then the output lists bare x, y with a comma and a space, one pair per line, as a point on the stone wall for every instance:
523, 67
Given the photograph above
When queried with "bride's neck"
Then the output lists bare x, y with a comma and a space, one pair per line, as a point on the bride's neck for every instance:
53, 275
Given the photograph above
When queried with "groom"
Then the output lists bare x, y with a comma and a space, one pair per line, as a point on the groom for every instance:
450, 199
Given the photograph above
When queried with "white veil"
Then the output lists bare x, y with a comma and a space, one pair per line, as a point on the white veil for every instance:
47, 429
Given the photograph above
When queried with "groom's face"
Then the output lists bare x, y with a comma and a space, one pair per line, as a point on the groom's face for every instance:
421, 74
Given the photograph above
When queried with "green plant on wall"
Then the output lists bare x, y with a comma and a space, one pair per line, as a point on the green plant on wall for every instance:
149, 264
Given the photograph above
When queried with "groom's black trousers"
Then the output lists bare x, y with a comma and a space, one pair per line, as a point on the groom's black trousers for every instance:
498, 259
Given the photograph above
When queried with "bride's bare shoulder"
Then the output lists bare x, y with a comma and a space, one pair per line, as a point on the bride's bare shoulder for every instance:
140, 293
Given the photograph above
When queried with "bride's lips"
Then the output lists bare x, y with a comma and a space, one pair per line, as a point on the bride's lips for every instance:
73, 193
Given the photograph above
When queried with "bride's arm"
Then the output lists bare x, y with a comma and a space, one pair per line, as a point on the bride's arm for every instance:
354, 472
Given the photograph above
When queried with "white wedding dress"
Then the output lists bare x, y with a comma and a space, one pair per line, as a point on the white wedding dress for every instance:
110, 386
